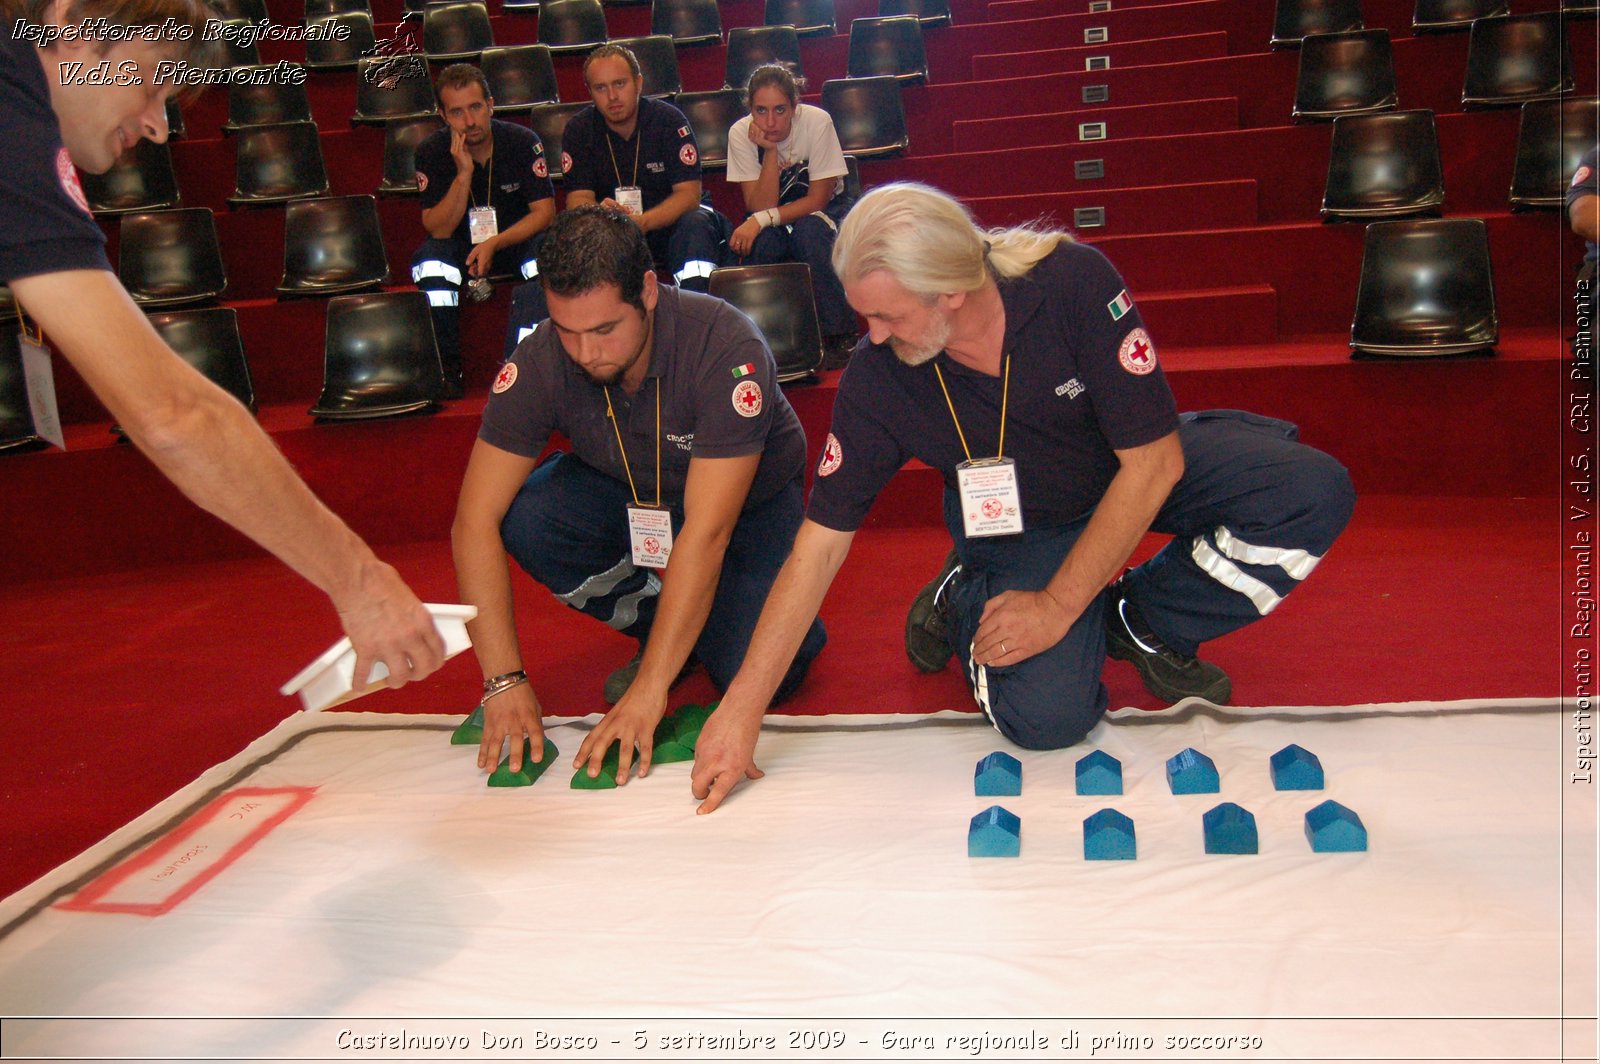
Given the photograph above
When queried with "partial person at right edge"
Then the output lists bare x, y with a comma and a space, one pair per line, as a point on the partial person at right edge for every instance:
786, 159
52, 254
1014, 362
1583, 213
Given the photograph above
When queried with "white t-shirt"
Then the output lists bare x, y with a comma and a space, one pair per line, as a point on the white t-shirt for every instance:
811, 153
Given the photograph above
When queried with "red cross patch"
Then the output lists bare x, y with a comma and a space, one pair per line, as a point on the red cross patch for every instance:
566, 162
688, 154
1580, 177
422, 181
1137, 354
540, 169
505, 378
747, 398
832, 456
69, 180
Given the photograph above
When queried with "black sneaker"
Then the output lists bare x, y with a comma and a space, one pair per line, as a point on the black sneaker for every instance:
928, 622
620, 680
1168, 675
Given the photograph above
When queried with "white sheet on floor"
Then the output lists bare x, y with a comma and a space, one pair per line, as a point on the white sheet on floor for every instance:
370, 872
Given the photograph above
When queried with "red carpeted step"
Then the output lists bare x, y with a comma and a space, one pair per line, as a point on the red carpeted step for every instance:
1101, 56
1105, 124
1159, 209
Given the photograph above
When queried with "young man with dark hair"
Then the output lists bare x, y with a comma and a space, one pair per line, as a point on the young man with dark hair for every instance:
480, 222
671, 514
52, 254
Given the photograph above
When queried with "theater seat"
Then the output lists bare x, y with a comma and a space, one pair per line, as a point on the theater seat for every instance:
232, 51
208, 339
1343, 74
852, 177
318, 8
887, 47
1295, 19
571, 25
550, 121
392, 87
379, 357
267, 104
779, 299
687, 21
140, 180
332, 245
355, 27
175, 125
1512, 59
1551, 141
240, 10
1383, 166
928, 12
278, 163
751, 46
1447, 15
1426, 289
808, 17
658, 62
166, 258
712, 114
520, 77
456, 32
400, 140
867, 115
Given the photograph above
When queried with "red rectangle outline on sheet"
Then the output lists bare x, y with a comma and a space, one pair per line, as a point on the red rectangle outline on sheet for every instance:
88, 899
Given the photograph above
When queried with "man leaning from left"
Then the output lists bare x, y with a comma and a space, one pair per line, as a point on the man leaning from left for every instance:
52, 254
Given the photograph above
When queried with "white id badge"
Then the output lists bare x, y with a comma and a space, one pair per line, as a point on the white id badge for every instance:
632, 198
40, 378
482, 224
650, 529
991, 505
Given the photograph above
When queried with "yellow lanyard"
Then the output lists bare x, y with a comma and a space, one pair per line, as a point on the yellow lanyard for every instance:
1005, 392
25, 329
472, 198
626, 468
637, 132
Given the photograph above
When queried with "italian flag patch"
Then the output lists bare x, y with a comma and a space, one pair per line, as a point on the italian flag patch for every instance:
744, 370
1120, 305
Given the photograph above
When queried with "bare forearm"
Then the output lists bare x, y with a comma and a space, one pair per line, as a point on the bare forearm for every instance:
668, 211
762, 193
483, 579
537, 220
688, 587
791, 606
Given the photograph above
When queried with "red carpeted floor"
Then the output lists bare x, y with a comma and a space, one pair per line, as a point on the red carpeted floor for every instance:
122, 688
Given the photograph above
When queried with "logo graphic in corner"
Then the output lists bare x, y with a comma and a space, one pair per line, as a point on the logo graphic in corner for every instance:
832, 456
540, 169
688, 154
505, 378
1120, 305
69, 179
1137, 354
422, 181
1581, 176
747, 398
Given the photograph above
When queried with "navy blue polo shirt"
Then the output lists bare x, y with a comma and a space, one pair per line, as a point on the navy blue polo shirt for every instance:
1586, 182
1085, 382
662, 140
521, 175
719, 399
45, 224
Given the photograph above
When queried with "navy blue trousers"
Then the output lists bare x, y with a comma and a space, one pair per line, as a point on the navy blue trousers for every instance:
439, 268
810, 240
568, 529
1251, 516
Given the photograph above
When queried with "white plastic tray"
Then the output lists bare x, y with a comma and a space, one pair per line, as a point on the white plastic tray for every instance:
330, 679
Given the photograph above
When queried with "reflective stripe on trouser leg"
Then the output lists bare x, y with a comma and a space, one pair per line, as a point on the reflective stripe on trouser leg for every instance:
435, 268
694, 268
1218, 563
443, 297
530, 269
626, 611
980, 686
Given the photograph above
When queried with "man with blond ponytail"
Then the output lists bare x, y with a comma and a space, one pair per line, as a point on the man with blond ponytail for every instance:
1015, 363
56, 112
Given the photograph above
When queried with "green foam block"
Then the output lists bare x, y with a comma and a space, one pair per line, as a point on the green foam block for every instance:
470, 731
607, 780
670, 751
531, 770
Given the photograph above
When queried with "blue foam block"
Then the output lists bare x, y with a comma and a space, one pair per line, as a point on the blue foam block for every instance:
1099, 773
1332, 828
1294, 768
1230, 828
995, 832
1191, 772
997, 775
1108, 836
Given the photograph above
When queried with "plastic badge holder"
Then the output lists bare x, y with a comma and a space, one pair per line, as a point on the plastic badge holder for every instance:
330, 679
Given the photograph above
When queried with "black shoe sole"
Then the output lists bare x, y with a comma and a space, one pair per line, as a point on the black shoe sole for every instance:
1120, 648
